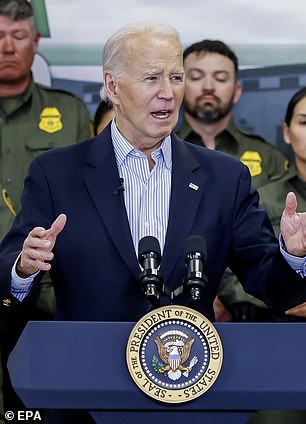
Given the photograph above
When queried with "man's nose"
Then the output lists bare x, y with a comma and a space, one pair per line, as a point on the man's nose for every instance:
8, 44
208, 84
166, 89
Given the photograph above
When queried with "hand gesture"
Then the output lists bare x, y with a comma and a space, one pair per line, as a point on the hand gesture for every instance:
37, 248
298, 311
293, 227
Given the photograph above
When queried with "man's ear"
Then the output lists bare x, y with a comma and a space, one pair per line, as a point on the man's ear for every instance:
111, 87
36, 38
238, 92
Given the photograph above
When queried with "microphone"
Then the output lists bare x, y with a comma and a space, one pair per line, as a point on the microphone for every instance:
120, 188
149, 257
195, 257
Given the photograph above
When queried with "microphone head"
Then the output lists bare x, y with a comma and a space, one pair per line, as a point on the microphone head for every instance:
149, 244
196, 244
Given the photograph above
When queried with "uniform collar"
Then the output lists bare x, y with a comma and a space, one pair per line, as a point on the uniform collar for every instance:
10, 104
231, 133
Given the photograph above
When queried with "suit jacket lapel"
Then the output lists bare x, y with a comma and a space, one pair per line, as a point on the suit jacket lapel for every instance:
186, 193
102, 180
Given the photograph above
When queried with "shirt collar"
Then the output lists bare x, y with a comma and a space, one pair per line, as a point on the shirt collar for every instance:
185, 129
12, 103
123, 148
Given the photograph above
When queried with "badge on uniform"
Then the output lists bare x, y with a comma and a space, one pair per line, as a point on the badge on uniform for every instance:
253, 161
50, 120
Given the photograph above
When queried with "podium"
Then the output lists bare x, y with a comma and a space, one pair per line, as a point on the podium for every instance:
81, 365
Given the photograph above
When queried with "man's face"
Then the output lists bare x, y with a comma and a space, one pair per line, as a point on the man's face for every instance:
149, 94
18, 43
211, 89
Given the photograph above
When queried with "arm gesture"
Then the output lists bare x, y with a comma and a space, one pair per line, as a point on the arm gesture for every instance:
37, 248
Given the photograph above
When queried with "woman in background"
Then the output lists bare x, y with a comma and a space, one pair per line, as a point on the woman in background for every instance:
272, 197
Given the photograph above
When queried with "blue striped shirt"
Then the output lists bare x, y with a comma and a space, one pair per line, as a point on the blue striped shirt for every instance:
146, 192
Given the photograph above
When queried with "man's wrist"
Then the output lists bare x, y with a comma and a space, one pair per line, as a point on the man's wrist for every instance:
19, 271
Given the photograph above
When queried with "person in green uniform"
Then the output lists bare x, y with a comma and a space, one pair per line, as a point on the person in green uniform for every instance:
271, 197
294, 134
33, 119
211, 91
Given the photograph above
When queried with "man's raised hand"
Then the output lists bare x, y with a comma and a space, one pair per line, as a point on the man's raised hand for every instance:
37, 248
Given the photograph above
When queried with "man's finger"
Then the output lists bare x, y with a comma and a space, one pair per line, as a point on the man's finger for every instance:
57, 226
299, 310
291, 204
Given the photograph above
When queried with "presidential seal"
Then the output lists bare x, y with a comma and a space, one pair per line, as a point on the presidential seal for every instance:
174, 354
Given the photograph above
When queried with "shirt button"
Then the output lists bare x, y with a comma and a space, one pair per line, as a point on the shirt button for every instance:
147, 225
8, 180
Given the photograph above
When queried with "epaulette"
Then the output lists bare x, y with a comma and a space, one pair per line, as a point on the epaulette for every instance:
252, 135
56, 90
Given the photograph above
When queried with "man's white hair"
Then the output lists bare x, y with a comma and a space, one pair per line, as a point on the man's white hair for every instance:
113, 52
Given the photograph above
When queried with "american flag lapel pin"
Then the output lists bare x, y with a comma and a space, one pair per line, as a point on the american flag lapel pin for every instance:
193, 186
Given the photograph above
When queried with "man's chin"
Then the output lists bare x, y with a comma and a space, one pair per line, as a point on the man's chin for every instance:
9, 77
206, 117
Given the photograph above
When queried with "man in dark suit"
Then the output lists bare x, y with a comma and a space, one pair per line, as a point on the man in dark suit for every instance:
85, 208
92, 257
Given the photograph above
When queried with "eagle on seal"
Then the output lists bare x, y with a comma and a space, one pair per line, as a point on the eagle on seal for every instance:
174, 353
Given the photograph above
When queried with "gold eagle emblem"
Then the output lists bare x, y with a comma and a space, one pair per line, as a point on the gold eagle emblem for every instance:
174, 349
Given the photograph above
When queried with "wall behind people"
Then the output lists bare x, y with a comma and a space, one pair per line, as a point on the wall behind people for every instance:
272, 60
266, 93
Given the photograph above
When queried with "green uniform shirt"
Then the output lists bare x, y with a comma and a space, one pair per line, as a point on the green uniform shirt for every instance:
38, 120
264, 161
273, 196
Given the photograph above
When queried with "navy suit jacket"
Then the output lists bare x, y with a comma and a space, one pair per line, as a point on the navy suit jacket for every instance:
95, 270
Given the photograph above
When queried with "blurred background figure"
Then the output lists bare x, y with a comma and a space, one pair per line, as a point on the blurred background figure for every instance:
294, 134
33, 119
271, 197
211, 92
103, 115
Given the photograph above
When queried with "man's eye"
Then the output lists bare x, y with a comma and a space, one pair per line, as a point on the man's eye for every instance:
20, 35
151, 78
177, 78
195, 76
221, 79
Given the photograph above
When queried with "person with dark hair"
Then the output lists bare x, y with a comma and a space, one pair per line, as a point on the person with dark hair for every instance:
294, 135
272, 197
103, 115
211, 91
33, 119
